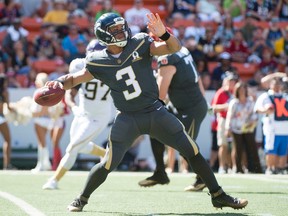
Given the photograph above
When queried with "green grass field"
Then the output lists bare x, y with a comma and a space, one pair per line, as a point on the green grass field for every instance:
21, 194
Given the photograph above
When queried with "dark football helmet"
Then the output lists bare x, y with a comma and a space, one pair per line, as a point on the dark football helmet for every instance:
102, 33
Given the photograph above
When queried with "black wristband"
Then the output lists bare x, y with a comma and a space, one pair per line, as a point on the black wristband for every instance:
165, 36
61, 81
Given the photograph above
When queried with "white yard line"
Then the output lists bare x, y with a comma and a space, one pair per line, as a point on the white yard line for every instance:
30, 210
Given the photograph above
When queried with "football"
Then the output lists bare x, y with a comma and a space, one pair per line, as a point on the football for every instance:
48, 96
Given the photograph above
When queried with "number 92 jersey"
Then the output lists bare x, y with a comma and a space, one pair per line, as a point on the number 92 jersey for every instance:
129, 76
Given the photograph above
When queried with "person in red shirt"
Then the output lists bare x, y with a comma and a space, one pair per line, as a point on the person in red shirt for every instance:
238, 48
220, 104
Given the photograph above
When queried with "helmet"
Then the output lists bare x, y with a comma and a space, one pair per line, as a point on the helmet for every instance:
102, 33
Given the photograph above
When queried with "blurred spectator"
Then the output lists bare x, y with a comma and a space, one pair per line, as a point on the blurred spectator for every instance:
201, 66
208, 10
268, 64
281, 47
206, 80
182, 9
235, 8
69, 42
220, 105
58, 16
15, 32
248, 27
210, 46
180, 33
4, 58
273, 33
261, 9
191, 44
81, 4
8, 13
20, 62
107, 7
241, 122
81, 51
257, 45
136, 17
219, 71
61, 69
282, 10
73, 9
45, 6
29, 8
4, 128
197, 30
225, 31
46, 44
238, 48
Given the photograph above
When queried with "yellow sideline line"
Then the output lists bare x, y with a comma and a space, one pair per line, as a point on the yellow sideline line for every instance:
30, 210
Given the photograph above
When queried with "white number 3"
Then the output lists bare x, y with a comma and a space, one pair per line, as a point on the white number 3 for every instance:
131, 81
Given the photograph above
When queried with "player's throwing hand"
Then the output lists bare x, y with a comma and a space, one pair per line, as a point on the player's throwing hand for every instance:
155, 24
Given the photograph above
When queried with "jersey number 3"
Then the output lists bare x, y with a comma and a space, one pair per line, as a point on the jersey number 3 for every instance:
130, 81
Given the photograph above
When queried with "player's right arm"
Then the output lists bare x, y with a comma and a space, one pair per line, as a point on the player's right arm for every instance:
70, 80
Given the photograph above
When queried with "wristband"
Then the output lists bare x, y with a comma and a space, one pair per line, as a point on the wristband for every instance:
61, 81
165, 36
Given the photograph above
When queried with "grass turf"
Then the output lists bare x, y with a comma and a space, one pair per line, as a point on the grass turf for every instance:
121, 195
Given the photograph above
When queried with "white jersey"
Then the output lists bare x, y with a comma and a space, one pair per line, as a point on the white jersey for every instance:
95, 98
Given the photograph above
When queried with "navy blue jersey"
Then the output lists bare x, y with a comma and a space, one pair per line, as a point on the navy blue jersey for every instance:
133, 85
184, 91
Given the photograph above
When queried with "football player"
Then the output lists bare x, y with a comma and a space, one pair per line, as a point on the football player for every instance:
178, 78
125, 66
91, 117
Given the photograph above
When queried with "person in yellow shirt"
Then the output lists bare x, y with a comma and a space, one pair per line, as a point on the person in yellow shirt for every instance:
280, 46
58, 15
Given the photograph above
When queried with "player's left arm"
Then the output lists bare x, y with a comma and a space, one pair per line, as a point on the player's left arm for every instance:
165, 75
170, 43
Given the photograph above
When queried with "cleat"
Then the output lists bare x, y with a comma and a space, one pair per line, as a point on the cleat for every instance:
198, 186
156, 178
51, 184
220, 199
77, 205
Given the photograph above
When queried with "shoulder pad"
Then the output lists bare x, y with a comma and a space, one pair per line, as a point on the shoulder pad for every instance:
140, 36
77, 65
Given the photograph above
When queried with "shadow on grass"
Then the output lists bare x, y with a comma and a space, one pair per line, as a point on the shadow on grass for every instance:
183, 214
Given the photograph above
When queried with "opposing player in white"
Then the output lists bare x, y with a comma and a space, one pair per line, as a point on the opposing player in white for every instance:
91, 117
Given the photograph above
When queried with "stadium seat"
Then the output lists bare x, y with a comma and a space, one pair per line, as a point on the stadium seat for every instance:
32, 35
31, 24
212, 66
245, 70
46, 66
